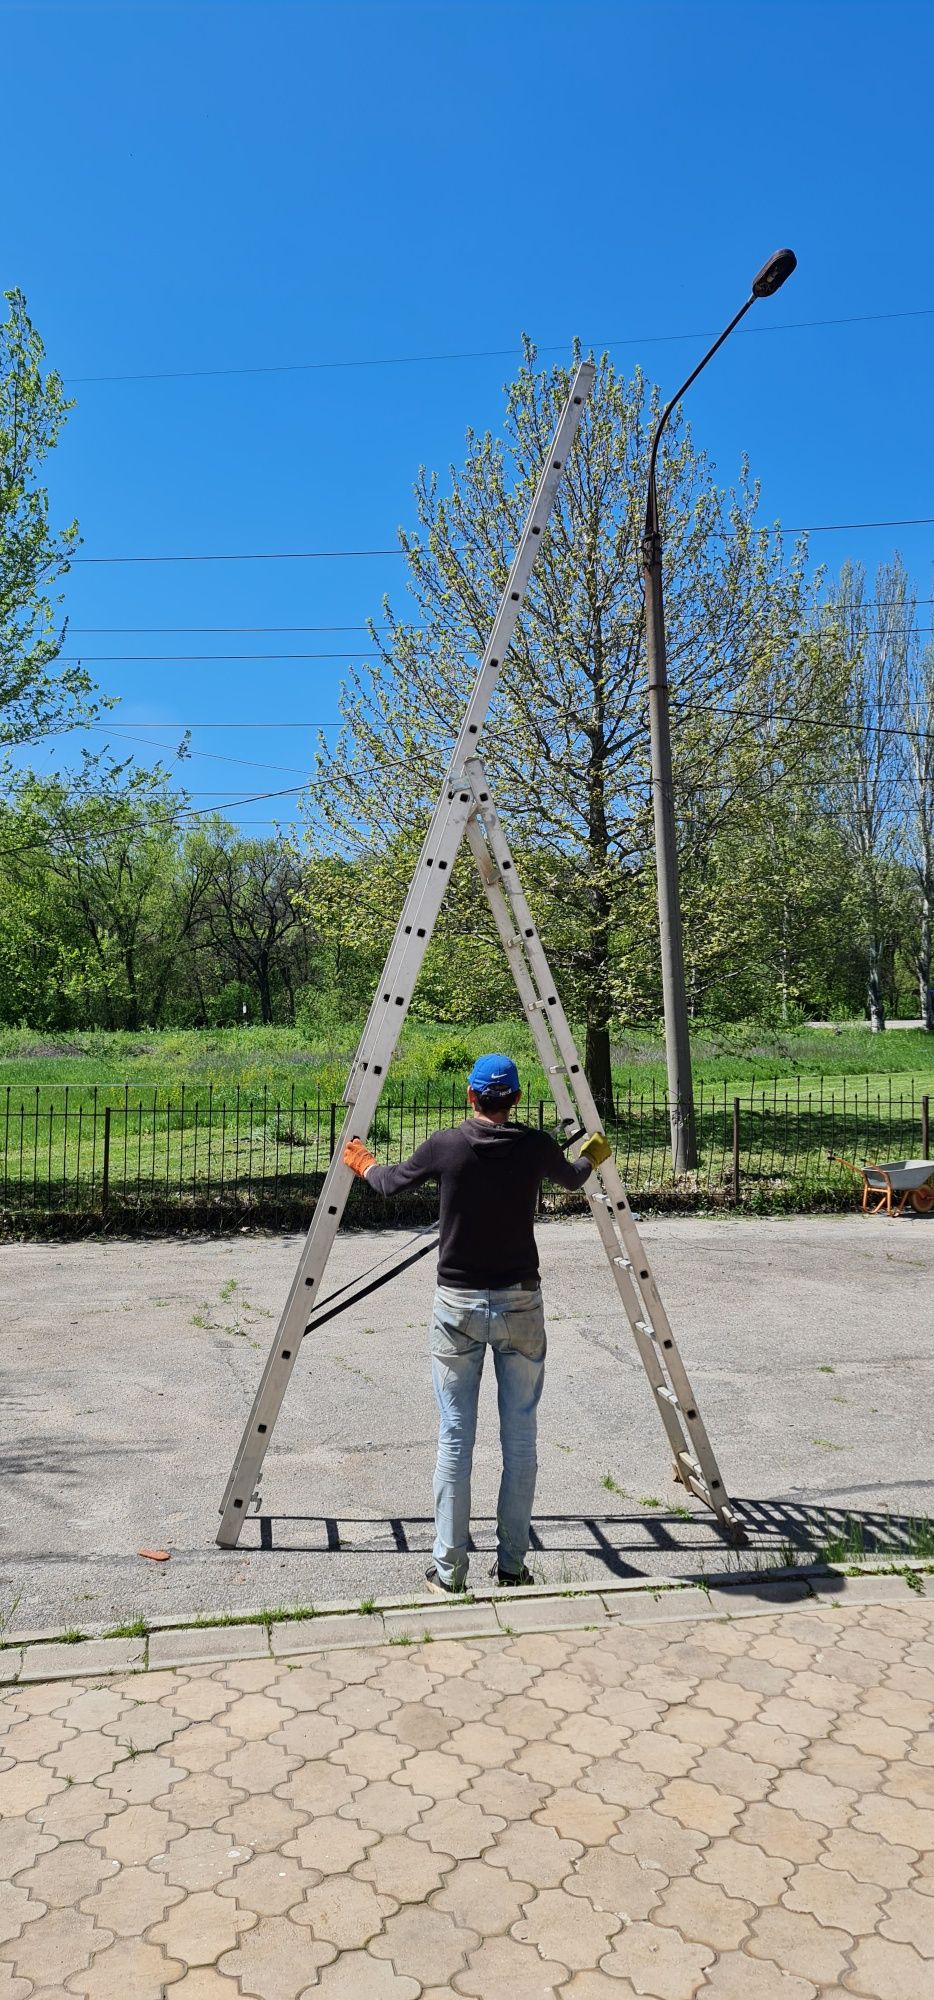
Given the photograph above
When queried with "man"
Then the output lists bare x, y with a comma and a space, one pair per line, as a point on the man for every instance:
489, 1172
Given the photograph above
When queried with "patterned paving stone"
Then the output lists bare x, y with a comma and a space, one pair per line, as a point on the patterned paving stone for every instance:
138, 1781
202, 1859
135, 1835
311, 1734
403, 1870
909, 1919
423, 1727
577, 1815
511, 1794
58, 1944
261, 1823
386, 1807
867, 1857
20, 1845
343, 1910
658, 1962
59, 1879
566, 1927
744, 1871
201, 1927
660, 1842
741, 1809
277, 1960
128, 1967
834, 1898
425, 1943
483, 1899
462, 1831
884, 1971
703, 1912
201, 1747
896, 1820
25, 1786
331, 1846
17, 1908
357, 1976
132, 1900
321, 1787
199, 1799
700, 1807
799, 1944
617, 1882
738, 1977
257, 1767
503, 1969
533, 1853
374, 1756
269, 1884
146, 1725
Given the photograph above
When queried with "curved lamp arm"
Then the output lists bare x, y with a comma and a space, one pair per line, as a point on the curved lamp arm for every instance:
768, 280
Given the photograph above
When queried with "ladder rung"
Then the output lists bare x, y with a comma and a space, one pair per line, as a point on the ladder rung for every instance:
644, 1325
670, 1397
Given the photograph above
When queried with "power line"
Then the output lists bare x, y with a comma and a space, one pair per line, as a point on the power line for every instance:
264, 555
487, 353
216, 756
219, 659
323, 555
421, 652
139, 629
869, 603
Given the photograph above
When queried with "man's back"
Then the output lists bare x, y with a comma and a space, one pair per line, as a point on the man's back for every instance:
489, 1176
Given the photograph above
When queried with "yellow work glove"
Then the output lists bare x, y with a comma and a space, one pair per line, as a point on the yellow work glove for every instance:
357, 1156
596, 1149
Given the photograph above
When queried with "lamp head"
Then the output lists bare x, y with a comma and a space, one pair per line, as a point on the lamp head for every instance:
773, 274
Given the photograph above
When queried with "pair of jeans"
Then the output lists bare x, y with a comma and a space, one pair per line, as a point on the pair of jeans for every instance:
511, 1322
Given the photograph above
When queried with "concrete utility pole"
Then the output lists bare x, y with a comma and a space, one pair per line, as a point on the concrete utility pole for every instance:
677, 1040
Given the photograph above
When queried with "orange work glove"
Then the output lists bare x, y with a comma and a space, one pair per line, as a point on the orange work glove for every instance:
357, 1157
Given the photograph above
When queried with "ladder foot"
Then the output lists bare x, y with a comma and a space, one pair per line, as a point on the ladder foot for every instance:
736, 1535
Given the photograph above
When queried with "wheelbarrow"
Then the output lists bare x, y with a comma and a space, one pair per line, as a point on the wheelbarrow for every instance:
894, 1184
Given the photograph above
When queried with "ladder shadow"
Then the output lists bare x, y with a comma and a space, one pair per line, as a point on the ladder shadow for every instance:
781, 1532
613, 1542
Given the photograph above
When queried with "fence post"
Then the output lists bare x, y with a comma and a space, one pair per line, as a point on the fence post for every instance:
736, 1149
925, 1127
105, 1170
332, 1135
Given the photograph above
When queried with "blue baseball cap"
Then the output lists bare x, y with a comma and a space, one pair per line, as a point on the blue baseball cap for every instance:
494, 1076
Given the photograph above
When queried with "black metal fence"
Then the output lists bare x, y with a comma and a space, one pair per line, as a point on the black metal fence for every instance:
123, 1159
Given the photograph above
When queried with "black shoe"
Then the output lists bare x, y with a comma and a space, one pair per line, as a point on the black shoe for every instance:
508, 1581
438, 1585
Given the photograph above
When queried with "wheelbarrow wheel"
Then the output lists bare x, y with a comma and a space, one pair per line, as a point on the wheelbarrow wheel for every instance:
922, 1200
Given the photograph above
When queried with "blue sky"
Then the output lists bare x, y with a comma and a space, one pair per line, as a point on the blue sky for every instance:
237, 186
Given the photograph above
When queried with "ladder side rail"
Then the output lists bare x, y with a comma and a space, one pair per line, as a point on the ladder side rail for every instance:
504, 624
332, 1199
569, 1112
652, 1308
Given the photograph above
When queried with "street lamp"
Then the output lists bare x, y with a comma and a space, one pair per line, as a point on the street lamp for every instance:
677, 1041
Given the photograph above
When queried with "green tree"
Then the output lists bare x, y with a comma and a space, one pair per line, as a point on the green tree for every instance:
97, 895
35, 697
251, 916
872, 637
566, 745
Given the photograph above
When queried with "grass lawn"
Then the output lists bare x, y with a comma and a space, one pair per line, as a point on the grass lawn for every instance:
434, 1060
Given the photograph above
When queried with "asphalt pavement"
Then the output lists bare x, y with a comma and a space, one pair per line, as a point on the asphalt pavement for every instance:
130, 1368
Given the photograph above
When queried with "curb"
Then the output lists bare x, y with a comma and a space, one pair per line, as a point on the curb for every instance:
44, 1656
